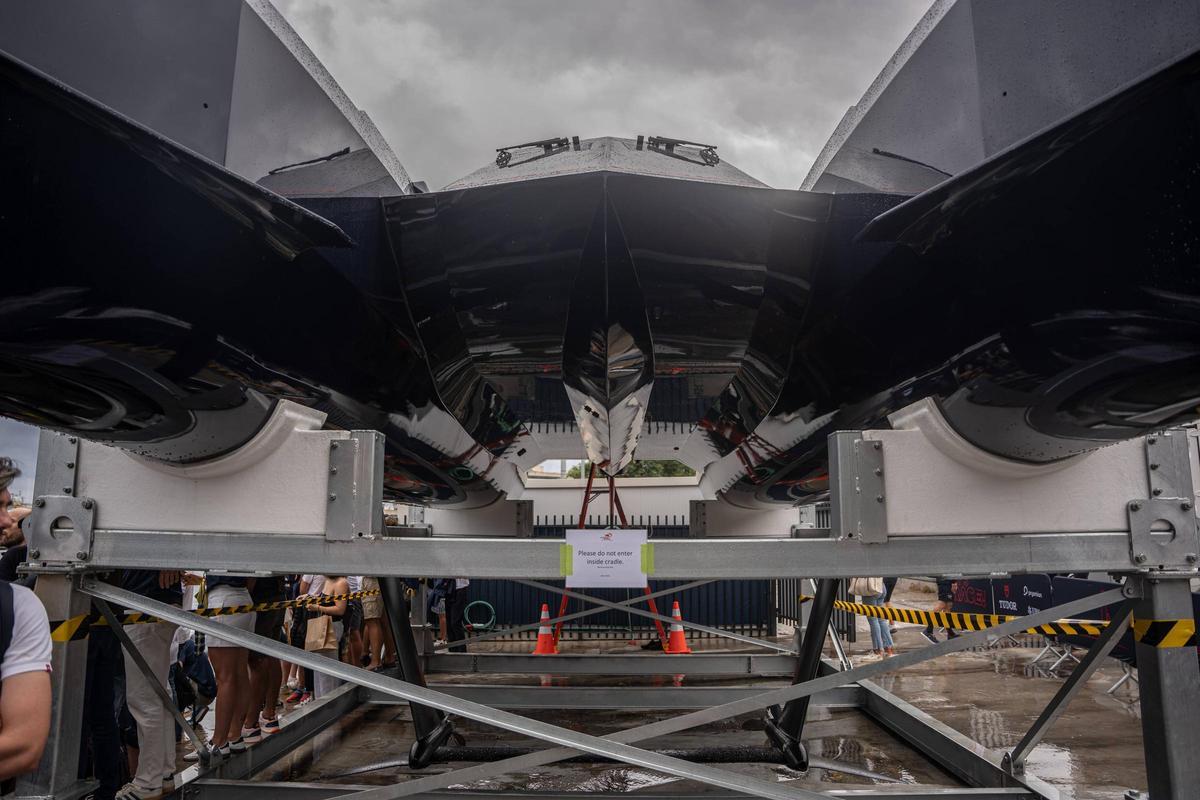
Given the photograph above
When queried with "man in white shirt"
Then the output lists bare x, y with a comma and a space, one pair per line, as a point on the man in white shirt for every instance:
25, 669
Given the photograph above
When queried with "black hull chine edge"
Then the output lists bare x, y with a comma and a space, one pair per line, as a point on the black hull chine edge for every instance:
1049, 302
157, 302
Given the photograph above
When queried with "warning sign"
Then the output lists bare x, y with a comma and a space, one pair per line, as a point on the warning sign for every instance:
611, 559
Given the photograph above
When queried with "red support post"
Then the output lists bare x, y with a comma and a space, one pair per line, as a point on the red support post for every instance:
616, 499
587, 499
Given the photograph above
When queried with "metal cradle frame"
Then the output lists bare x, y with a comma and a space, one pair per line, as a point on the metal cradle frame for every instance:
67, 555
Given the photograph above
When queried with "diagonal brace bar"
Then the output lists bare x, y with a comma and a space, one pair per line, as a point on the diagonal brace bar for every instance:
1015, 760
117, 628
660, 617
587, 612
466, 708
745, 705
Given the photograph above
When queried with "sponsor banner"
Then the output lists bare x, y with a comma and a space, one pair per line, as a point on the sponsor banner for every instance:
1022, 595
974, 597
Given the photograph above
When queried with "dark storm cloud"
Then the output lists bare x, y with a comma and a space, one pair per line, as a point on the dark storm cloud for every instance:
448, 82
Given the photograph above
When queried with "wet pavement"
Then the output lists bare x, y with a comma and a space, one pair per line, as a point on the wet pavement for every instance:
1093, 751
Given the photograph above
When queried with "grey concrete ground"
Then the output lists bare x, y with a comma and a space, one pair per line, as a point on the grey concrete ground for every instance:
1094, 751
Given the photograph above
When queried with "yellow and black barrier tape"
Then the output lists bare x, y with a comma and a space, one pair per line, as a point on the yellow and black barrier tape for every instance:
962, 621
76, 628
1148, 632
1165, 632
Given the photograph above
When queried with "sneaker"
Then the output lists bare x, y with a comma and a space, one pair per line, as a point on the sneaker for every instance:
238, 745
304, 698
930, 636
131, 792
951, 633
269, 727
293, 683
251, 735
295, 696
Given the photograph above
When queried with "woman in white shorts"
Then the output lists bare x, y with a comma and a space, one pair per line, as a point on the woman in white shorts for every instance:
229, 665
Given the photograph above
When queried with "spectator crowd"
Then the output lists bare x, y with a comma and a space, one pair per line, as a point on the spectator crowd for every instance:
227, 694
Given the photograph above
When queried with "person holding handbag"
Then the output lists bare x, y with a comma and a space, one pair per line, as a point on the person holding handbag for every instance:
871, 591
325, 629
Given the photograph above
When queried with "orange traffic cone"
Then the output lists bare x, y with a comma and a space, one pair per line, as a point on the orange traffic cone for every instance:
676, 640
545, 640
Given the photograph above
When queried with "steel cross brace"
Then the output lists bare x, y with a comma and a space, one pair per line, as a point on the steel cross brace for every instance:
757, 703
623, 606
572, 740
119, 631
587, 612
613, 746
1014, 761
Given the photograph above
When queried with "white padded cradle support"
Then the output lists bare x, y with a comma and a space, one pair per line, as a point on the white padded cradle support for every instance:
937, 483
277, 482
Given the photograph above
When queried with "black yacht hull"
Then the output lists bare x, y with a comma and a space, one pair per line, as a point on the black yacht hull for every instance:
1049, 301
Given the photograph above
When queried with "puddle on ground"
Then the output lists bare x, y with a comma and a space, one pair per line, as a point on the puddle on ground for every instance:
369, 747
1093, 751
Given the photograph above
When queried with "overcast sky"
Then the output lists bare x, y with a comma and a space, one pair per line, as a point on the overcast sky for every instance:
448, 82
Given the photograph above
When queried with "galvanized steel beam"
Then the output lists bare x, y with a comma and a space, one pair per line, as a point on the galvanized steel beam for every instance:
745, 665
206, 789
620, 697
674, 559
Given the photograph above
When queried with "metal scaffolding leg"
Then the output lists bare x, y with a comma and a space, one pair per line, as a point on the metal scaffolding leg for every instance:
785, 730
1067, 655
1015, 759
57, 774
674, 724
1128, 674
432, 726
615, 745
1170, 687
